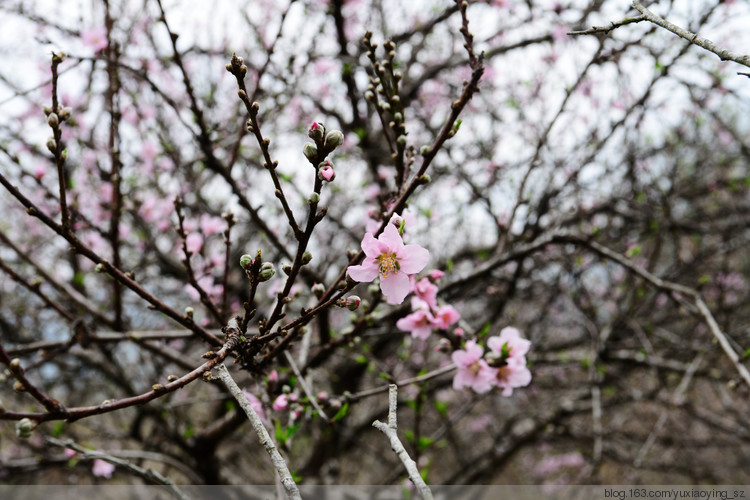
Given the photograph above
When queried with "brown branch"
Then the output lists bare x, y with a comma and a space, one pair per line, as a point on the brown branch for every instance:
158, 390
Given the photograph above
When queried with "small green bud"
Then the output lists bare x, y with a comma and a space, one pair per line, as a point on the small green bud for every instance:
334, 139
51, 144
24, 428
266, 272
47, 110
306, 258
313, 198
246, 261
310, 151
287, 269
189, 311
99, 268
401, 140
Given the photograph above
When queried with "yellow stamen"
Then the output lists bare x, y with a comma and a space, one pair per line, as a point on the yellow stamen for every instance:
388, 264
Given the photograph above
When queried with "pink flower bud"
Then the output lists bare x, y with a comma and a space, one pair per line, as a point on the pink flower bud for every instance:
325, 172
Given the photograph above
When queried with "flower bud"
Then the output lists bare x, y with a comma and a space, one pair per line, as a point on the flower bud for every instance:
47, 110
313, 198
246, 261
310, 151
287, 269
316, 132
99, 268
266, 271
318, 289
65, 112
189, 311
52, 120
326, 172
15, 365
51, 144
24, 428
306, 257
334, 139
352, 302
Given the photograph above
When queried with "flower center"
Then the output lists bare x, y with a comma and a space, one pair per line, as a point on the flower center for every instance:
388, 264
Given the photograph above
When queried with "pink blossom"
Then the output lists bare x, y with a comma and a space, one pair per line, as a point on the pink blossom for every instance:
255, 404
473, 371
281, 403
102, 468
427, 292
273, 376
509, 343
512, 375
389, 258
436, 274
445, 317
70, 453
194, 242
96, 38
419, 323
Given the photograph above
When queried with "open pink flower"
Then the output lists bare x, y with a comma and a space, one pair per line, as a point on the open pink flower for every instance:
512, 375
473, 371
509, 344
419, 323
509, 353
445, 317
389, 258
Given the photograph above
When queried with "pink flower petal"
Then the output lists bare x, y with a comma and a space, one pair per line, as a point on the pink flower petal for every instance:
395, 287
368, 271
370, 246
392, 239
412, 258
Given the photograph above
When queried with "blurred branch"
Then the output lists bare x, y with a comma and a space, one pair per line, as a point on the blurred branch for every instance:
149, 474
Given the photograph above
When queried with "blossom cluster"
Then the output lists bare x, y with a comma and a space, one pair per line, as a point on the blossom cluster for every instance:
426, 315
503, 366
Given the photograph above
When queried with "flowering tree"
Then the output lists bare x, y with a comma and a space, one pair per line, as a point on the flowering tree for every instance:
525, 221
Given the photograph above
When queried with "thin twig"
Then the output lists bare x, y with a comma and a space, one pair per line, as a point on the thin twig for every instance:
149, 475
694, 38
305, 386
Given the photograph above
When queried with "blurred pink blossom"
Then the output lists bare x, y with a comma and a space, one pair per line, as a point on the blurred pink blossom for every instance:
419, 323
96, 38
102, 468
281, 403
473, 371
